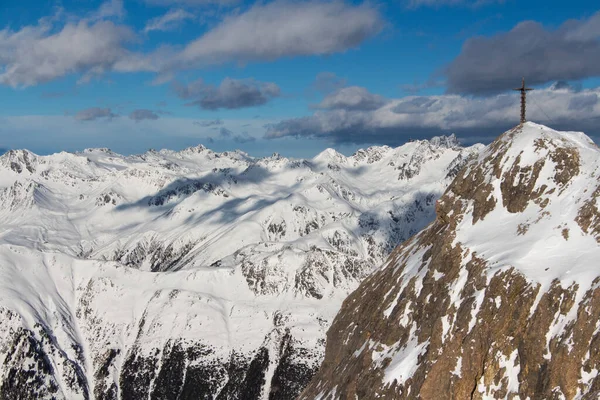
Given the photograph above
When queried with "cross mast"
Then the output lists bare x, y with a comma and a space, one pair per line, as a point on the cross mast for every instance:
523, 91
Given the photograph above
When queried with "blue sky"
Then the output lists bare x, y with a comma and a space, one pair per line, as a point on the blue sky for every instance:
292, 77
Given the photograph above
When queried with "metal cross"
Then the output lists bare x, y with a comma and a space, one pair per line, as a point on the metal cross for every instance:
523, 91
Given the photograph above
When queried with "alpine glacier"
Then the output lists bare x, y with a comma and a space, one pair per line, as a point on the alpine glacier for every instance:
194, 274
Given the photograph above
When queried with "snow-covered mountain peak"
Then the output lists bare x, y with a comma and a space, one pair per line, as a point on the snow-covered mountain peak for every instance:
370, 155
434, 145
330, 158
498, 298
200, 148
410, 158
205, 155
275, 160
328, 155
537, 188
539, 141
96, 150
20, 161
447, 142
529, 168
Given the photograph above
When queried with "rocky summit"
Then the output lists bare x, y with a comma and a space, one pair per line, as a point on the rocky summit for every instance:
498, 298
195, 274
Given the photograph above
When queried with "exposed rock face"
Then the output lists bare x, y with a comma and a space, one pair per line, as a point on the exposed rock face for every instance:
194, 274
498, 298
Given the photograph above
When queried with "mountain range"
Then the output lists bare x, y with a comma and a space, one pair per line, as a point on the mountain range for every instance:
197, 274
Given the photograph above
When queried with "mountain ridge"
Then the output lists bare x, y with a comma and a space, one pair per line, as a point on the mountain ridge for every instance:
192, 273
497, 297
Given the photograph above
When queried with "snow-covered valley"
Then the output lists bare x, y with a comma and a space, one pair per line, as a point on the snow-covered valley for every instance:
194, 274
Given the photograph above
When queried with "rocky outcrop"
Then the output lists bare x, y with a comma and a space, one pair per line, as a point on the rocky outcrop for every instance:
498, 298
19, 161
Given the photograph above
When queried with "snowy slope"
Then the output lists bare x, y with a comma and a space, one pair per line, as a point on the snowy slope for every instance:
498, 298
194, 274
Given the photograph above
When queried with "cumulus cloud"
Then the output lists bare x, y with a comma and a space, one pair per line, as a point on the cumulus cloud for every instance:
142, 114
37, 54
352, 98
170, 21
398, 119
97, 44
284, 29
94, 113
493, 64
208, 123
230, 94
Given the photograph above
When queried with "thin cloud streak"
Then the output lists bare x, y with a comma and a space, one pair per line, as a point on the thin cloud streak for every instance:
109, 9
143, 114
170, 21
208, 123
95, 113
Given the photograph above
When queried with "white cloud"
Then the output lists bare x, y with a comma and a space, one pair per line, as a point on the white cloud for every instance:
110, 9
35, 54
352, 98
94, 45
283, 29
230, 94
492, 64
397, 119
170, 21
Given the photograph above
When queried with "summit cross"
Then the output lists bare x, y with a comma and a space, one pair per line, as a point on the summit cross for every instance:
523, 91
